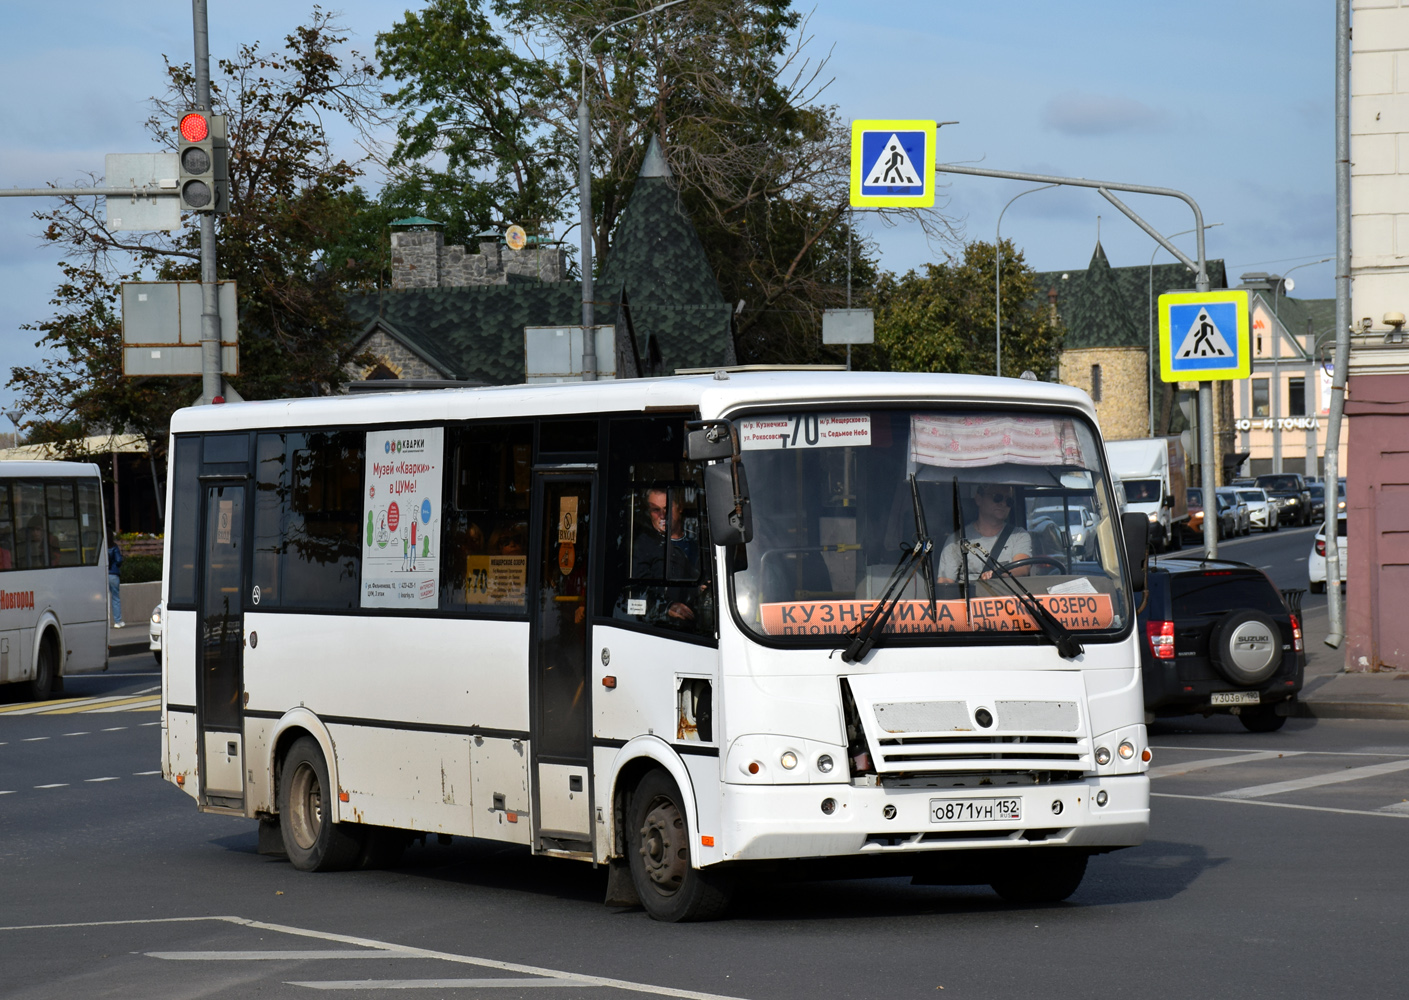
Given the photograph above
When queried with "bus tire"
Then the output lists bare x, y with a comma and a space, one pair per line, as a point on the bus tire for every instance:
41, 686
1040, 876
658, 850
313, 842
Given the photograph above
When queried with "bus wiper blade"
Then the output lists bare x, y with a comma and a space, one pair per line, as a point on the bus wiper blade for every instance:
870, 630
1060, 636
922, 535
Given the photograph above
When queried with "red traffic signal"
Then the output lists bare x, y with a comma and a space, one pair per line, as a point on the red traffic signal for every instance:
194, 127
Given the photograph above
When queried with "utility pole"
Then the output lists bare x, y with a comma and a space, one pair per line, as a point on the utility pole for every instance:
1334, 607
212, 378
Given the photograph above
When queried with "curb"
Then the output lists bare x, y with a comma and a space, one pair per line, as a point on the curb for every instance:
1352, 710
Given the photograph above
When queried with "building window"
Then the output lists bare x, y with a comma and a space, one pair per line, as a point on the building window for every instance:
1296, 397
1095, 383
1261, 407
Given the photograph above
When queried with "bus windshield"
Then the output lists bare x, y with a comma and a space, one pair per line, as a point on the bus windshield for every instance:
1000, 502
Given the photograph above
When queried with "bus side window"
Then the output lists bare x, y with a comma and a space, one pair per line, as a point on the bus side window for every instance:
658, 562
32, 550
63, 524
7, 529
185, 526
90, 522
484, 557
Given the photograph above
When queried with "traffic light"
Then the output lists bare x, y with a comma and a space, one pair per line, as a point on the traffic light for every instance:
202, 154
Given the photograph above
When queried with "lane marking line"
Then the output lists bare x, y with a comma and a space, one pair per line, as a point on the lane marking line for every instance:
34, 739
78, 734
532, 970
440, 984
1169, 770
29, 706
1307, 753
1395, 808
1317, 780
114, 729
1277, 805
101, 705
272, 956
143, 773
157, 723
101, 779
145, 704
57, 784
8, 791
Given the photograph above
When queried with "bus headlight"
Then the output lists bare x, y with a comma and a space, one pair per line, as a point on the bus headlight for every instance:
825, 764
1103, 756
788, 760
1126, 749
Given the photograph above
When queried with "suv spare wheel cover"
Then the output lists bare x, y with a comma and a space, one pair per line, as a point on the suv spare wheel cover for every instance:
1246, 646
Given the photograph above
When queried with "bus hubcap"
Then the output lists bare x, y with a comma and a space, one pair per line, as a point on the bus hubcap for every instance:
305, 806
663, 845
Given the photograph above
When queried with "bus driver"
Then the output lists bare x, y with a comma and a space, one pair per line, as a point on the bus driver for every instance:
993, 532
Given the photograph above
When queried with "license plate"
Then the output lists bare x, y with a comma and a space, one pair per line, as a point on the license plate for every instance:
1234, 698
975, 810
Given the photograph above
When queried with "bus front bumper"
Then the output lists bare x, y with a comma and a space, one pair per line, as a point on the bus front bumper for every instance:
778, 822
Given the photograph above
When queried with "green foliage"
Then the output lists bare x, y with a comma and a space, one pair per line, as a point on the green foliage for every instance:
943, 320
140, 569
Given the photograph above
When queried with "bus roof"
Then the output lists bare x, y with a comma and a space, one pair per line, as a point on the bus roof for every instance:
32, 470
711, 395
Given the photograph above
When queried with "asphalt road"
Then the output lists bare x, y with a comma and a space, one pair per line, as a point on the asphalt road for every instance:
1282, 554
1275, 867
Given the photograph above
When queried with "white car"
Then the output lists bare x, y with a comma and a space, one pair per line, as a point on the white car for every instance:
1077, 521
154, 631
1262, 512
1316, 562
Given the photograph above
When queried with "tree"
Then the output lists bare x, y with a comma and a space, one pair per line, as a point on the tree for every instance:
762, 165
942, 321
291, 203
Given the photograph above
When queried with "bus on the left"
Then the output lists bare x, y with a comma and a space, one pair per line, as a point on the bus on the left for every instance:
53, 574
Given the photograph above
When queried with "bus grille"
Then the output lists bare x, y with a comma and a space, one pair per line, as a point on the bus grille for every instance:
965, 753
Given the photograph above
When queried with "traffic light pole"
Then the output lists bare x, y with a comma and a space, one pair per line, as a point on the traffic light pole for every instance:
212, 380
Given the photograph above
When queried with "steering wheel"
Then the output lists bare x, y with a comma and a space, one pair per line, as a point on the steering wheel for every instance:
1060, 566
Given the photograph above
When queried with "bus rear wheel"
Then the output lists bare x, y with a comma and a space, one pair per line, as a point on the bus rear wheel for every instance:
658, 850
1040, 876
41, 685
313, 842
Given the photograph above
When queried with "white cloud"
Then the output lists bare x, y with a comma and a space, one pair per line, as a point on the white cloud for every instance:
1081, 114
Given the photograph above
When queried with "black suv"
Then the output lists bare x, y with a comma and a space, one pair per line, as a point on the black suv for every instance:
1217, 636
1288, 490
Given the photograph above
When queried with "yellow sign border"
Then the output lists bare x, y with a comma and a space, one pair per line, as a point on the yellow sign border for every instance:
1238, 297
859, 200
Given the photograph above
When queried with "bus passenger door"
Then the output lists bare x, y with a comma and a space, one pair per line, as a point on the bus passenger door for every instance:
560, 722
220, 641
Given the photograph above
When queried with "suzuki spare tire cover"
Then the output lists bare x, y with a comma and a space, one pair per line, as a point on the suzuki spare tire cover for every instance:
1246, 646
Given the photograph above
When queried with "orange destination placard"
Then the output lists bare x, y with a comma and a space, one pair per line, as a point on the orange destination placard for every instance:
982, 614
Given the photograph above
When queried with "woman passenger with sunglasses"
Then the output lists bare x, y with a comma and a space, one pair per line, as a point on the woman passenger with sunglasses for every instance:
994, 522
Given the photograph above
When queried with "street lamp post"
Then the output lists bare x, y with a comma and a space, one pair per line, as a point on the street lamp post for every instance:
1150, 354
998, 281
1282, 282
584, 185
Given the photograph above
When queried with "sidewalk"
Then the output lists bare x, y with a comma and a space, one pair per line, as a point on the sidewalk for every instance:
1331, 693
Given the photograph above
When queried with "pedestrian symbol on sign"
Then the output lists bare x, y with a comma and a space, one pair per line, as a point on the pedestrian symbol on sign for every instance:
893, 167
1204, 340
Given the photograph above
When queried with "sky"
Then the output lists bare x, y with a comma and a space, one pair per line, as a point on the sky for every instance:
1230, 102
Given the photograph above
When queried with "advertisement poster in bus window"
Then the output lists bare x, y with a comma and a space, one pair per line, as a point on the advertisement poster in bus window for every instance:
401, 518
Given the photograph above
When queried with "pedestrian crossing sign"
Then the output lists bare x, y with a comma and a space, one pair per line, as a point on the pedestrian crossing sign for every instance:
1204, 336
892, 164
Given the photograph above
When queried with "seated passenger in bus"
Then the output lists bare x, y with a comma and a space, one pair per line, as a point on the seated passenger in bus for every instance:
665, 552
994, 531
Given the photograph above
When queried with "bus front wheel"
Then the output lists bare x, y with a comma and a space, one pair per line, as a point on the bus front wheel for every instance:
1040, 876
313, 842
41, 685
658, 850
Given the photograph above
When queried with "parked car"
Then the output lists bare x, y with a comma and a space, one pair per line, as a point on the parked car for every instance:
1244, 481
1073, 522
1219, 638
1316, 561
1262, 512
1242, 518
1288, 491
154, 632
1318, 500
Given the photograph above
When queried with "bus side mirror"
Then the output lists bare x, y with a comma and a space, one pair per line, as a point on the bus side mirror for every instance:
709, 444
730, 516
1136, 529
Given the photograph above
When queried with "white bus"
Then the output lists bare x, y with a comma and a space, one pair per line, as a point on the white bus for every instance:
551, 615
53, 574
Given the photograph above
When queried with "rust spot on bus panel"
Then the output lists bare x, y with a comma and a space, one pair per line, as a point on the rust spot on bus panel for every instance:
686, 730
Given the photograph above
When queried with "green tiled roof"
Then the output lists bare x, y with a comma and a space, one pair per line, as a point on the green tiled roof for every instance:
1106, 306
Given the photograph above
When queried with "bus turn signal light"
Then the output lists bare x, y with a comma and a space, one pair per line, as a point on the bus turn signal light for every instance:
1145, 755
609, 682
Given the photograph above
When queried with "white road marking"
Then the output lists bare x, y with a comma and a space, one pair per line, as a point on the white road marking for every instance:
151, 723
531, 970
142, 773
77, 734
441, 984
57, 784
9, 791
1397, 808
130, 706
1306, 753
101, 779
114, 729
34, 739
1169, 770
1317, 780
273, 956
1282, 805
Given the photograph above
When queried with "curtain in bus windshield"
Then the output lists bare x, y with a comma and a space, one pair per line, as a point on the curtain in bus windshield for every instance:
1009, 501
401, 513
